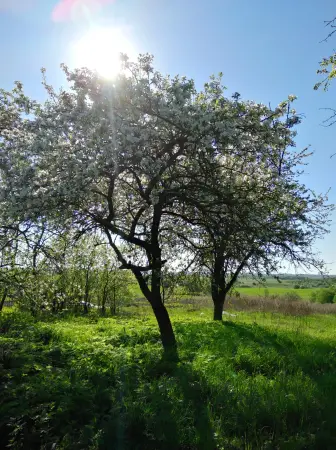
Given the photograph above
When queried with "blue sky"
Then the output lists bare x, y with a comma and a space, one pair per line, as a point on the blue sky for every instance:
266, 50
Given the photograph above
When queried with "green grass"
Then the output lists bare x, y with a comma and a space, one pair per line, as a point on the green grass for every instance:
272, 287
259, 381
276, 290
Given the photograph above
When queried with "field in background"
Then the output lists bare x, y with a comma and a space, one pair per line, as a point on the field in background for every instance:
259, 380
255, 291
247, 287
262, 291
297, 285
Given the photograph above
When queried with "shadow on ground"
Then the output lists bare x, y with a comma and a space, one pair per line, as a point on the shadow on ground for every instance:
236, 386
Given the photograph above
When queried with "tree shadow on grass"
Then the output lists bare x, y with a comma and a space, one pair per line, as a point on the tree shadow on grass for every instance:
138, 403
286, 363
156, 406
196, 402
174, 414
310, 354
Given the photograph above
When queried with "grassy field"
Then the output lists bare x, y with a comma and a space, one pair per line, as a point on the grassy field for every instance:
262, 291
276, 290
258, 381
271, 287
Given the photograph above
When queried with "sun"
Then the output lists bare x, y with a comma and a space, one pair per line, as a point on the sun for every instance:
100, 50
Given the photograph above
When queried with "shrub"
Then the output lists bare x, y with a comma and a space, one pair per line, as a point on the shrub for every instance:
325, 295
313, 297
291, 297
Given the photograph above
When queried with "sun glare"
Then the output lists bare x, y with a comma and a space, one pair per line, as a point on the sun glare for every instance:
100, 50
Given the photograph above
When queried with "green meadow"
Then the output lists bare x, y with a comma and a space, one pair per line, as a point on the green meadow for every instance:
256, 381
262, 291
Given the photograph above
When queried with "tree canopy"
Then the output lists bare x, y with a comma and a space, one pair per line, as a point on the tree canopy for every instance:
327, 64
163, 172
327, 71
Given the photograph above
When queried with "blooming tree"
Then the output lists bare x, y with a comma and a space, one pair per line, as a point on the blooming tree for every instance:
253, 214
107, 155
138, 158
328, 64
327, 71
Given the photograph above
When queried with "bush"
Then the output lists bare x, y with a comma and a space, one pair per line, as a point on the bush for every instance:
325, 295
313, 297
292, 297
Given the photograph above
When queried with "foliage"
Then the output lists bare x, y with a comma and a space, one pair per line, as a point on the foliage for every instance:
69, 274
148, 163
196, 284
17, 250
262, 381
292, 296
324, 295
253, 212
328, 72
328, 64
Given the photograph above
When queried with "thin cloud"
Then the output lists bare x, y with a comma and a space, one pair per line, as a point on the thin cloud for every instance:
65, 9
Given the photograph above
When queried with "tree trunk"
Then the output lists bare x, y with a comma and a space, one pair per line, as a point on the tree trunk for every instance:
3, 299
218, 297
166, 330
104, 298
114, 305
218, 289
154, 298
218, 308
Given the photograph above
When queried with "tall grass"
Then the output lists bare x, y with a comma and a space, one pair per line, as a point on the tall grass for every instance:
283, 304
280, 304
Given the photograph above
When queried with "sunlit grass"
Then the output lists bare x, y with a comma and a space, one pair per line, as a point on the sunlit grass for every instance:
276, 290
256, 381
